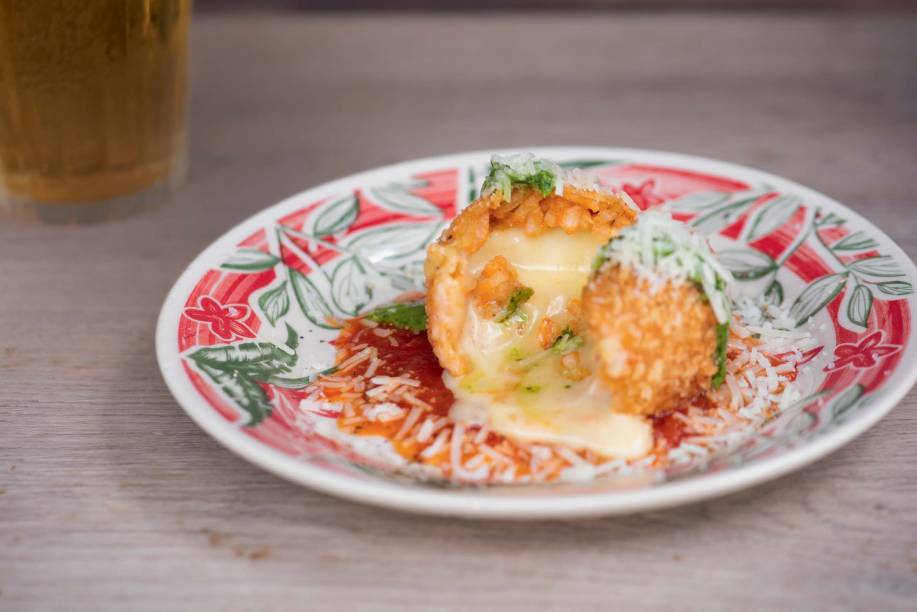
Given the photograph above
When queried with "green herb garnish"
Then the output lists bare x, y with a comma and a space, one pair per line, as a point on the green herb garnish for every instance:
526, 169
409, 315
518, 297
719, 356
566, 342
533, 388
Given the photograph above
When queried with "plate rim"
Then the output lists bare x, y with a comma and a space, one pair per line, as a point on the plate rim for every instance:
468, 503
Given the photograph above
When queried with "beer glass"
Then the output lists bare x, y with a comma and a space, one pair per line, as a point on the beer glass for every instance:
92, 105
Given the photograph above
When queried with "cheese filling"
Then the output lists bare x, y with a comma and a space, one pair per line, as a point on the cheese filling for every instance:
517, 387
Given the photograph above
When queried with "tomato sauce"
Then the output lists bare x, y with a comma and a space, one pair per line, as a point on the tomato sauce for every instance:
671, 428
668, 428
410, 356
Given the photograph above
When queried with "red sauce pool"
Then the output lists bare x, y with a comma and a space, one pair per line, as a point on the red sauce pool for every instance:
669, 428
410, 356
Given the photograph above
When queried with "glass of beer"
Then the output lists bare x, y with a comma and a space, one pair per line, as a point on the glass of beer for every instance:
92, 105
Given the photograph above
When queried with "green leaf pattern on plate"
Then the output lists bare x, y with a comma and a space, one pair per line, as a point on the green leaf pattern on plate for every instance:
242, 390
879, 267
774, 293
816, 296
857, 241
393, 244
312, 302
334, 216
859, 305
275, 303
250, 260
846, 401
352, 286
697, 202
867, 278
722, 216
772, 216
587, 163
398, 198
238, 368
746, 264
896, 288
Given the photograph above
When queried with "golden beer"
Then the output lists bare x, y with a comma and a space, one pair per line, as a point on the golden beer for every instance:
92, 100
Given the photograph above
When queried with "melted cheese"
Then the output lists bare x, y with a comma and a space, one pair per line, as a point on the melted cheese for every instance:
577, 415
555, 264
515, 386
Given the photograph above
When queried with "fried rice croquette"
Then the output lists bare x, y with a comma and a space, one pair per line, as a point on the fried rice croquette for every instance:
653, 349
451, 288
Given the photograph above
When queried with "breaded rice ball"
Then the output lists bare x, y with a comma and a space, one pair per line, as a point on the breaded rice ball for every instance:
657, 316
653, 349
532, 207
527, 283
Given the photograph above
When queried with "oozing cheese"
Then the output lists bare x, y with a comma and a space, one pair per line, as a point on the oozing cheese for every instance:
553, 263
515, 386
577, 415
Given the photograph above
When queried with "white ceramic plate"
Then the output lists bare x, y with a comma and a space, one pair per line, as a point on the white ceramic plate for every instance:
358, 241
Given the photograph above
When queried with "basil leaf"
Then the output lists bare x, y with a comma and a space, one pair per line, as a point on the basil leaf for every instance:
409, 315
719, 357
526, 169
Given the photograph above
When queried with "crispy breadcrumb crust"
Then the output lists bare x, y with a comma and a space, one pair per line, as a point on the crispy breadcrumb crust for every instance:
449, 281
653, 349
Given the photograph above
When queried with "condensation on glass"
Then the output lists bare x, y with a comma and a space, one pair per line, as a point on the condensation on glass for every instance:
92, 105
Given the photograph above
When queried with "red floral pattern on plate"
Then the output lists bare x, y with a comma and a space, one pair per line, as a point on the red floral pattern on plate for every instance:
224, 320
644, 195
864, 354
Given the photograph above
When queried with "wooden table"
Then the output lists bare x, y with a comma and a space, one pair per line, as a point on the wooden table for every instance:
112, 499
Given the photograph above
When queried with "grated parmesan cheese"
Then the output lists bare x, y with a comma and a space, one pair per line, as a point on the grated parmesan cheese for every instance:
397, 380
383, 412
661, 249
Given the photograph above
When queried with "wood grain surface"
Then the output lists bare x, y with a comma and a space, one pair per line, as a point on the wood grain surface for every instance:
112, 499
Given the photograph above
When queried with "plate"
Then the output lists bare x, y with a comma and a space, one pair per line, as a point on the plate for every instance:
339, 248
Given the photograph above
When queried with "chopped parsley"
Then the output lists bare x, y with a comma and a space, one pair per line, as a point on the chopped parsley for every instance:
518, 297
523, 169
566, 342
409, 315
532, 388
